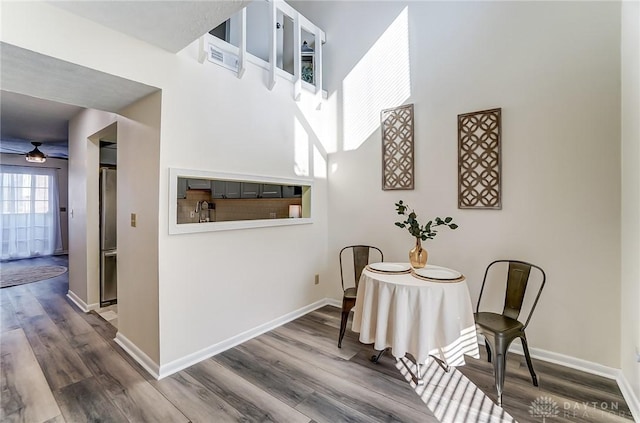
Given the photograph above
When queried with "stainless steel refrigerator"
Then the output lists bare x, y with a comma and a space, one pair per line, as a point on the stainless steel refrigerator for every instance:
108, 238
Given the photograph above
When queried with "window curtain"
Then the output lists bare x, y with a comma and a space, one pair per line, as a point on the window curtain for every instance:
30, 223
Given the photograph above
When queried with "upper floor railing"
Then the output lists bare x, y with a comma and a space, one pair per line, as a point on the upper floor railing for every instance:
273, 35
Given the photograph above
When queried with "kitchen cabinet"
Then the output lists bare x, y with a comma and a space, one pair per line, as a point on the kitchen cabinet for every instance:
237, 189
249, 190
270, 191
291, 191
225, 189
182, 188
198, 184
233, 189
218, 189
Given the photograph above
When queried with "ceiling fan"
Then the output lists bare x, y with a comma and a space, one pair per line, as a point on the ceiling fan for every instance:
35, 155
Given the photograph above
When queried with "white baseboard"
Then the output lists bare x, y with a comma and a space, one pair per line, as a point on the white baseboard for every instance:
80, 302
567, 361
333, 302
585, 366
138, 355
191, 359
629, 396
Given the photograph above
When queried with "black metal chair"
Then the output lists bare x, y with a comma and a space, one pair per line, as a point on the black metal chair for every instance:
361, 256
501, 329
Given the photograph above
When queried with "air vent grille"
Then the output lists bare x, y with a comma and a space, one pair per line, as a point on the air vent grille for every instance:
223, 58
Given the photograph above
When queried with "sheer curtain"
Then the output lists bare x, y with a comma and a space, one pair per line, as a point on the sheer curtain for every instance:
30, 223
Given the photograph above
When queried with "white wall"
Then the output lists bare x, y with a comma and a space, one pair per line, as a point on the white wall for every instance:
218, 284
138, 193
84, 241
554, 69
630, 312
211, 286
62, 171
138, 158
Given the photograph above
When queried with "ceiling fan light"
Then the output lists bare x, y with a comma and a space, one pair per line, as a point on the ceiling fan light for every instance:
35, 155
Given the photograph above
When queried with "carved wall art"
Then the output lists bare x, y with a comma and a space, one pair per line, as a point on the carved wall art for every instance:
479, 160
397, 147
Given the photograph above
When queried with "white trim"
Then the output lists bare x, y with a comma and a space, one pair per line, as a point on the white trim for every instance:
567, 361
191, 359
137, 354
187, 228
257, 61
273, 51
241, 55
227, 176
629, 396
285, 8
585, 366
317, 68
285, 75
297, 58
202, 55
563, 360
333, 302
192, 228
80, 302
242, 48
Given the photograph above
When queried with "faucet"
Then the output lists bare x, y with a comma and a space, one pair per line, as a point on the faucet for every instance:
202, 209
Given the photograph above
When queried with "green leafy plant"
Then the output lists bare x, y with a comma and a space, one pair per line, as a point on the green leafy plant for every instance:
424, 232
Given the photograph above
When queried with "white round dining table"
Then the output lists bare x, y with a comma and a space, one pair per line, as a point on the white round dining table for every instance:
408, 314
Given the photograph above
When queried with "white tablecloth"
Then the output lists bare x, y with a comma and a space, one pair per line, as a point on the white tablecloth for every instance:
411, 315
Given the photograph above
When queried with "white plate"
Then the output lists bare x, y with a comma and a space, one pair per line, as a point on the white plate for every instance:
437, 272
390, 267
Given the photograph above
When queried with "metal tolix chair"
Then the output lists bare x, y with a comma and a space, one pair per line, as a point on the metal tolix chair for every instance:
501, 329
361, 257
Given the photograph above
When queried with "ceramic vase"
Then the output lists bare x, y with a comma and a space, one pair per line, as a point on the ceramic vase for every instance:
418, 255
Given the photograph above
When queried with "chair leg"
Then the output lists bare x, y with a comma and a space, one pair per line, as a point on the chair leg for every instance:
347, 305
343, 326
500, 346
499, 369
486, 345
525, 347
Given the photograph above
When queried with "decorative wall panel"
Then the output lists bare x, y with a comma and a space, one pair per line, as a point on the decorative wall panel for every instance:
479, 160
397, 147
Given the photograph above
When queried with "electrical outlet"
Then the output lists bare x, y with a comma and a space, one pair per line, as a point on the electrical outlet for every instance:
316, 281
133, 220
192, 214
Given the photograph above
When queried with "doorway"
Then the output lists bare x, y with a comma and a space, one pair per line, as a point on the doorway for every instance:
108, 211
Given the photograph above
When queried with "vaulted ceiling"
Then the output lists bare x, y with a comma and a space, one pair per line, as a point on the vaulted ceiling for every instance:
26, 116
170, 25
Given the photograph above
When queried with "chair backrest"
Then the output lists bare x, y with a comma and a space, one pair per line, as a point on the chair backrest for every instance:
361, 257
517, 281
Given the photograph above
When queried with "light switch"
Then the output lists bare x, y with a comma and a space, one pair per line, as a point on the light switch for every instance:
133, 220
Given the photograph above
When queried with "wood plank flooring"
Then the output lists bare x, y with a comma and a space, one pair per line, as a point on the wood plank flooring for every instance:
61, 365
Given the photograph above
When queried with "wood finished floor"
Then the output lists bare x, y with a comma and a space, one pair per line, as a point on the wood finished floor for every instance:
61, 365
